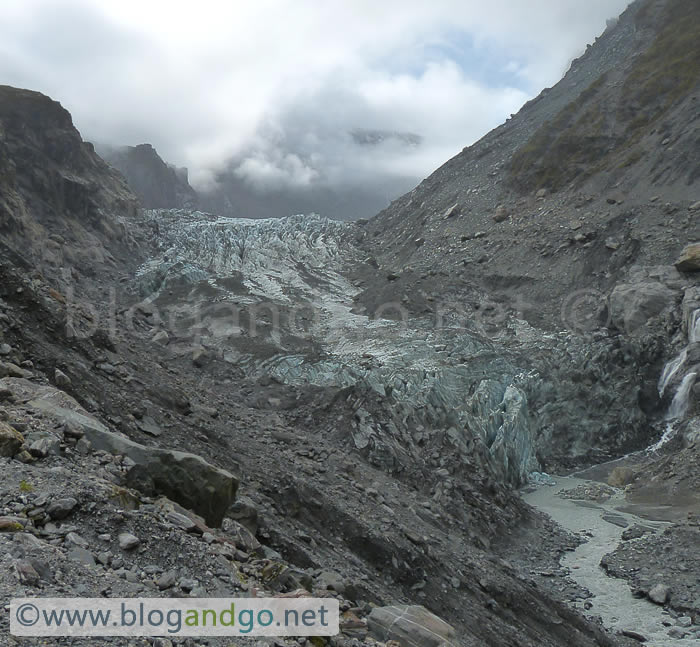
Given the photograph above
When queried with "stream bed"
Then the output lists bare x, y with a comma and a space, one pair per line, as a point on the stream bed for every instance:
602, 525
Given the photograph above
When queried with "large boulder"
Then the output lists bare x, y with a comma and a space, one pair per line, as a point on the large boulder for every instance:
633, 305
183, 477
10, 440
410, 625
689, 260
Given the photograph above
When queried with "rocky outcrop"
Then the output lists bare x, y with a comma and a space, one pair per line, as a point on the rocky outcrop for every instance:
410, 625
634, 305
689, 260
10, 440
158, 185
61, 206
185, 478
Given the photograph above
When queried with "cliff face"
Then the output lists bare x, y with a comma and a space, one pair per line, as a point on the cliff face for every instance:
158, 185
61, 206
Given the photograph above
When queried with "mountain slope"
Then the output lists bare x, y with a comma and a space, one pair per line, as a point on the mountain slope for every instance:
61, 206
124, 411
157, 184
571, 191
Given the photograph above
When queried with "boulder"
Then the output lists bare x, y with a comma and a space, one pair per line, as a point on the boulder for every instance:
622, 476
61, 380
10, 440
183, 477
501, 214
161, 338
410, 625
689, 260
632, 305
8, 369
660, 594
61, 508
245, 512
127, 541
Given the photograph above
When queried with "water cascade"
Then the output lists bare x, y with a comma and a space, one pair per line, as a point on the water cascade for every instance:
670, 371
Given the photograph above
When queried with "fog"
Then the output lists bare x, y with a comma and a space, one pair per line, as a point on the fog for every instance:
296, 94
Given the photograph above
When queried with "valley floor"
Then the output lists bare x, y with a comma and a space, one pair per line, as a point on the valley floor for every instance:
611, 533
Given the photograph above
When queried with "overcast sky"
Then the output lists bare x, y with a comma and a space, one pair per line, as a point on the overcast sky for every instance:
279, 84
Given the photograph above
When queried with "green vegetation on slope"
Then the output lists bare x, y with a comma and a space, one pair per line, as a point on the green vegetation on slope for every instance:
602, 127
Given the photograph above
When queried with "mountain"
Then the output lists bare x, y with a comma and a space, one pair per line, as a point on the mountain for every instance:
157, 184
129, 420
160, 185
391, 412
61, 208
570, 192
349, 194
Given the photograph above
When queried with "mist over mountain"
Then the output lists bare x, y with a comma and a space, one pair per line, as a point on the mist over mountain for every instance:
282, 122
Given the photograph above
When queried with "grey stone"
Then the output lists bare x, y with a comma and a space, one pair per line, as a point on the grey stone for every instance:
127, 541
330, 581
689, 260
104, 557
501, 214
78, 554
167, 580
26, 573
185, 478
48, 445
181, 521
162, 642
161, 338
61, 380
10, 440
149, 426
7, 369
660, 593
188, 585
61, 508
75, 539
634, 305
245, 512
410, 625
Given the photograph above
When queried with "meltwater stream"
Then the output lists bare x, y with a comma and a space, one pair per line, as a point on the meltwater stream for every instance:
612, 598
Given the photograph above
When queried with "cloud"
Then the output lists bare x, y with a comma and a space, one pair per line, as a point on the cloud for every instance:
274, 89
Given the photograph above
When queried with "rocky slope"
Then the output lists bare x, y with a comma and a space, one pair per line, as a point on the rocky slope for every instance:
158, 185
570, 216
110, 387
371, 393
62, 210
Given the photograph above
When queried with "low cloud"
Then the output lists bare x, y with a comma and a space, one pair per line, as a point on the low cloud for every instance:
276, 91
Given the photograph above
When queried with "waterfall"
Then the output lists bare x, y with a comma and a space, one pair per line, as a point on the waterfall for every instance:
682, 398
676, 411
671, 369
694, 327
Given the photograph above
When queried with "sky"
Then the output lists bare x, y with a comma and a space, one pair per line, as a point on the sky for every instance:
274, 89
